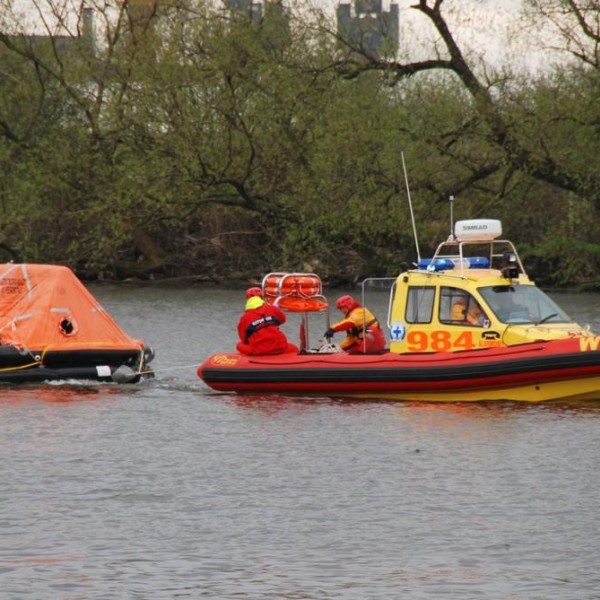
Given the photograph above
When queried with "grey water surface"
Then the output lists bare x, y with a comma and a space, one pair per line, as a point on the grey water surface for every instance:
169, 490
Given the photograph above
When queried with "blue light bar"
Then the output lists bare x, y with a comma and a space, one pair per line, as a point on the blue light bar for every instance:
479, 262
446, 264
440, 264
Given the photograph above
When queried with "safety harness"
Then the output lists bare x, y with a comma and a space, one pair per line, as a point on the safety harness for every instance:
360, 331
260, 323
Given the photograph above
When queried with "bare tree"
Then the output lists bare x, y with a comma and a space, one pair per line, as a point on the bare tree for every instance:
570, 27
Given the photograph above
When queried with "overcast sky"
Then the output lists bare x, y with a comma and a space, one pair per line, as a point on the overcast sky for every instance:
486, 28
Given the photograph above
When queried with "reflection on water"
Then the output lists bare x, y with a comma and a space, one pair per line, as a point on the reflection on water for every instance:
166, 489
58, 392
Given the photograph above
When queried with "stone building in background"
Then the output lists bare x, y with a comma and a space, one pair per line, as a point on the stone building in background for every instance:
81, 41
366, 26
248, 8
270, 16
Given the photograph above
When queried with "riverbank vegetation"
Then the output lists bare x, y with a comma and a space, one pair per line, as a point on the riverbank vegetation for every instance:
196, 145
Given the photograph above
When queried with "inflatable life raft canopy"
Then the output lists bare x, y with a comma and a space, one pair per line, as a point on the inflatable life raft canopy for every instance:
46, 306
295, 292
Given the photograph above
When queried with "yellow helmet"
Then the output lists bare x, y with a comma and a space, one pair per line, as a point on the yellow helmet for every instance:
254, 302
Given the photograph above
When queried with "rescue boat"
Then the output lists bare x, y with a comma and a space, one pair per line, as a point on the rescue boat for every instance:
467, 324
52, 328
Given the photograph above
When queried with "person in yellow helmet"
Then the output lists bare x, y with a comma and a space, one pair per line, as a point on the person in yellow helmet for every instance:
363, 333
473, 315
258, 328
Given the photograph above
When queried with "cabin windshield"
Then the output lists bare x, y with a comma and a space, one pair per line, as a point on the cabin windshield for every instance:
522, 304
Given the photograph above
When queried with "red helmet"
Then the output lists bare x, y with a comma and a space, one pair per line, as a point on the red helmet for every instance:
346, 303
253, 291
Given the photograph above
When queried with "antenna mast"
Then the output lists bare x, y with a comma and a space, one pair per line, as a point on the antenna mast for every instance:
451, 238
412, 216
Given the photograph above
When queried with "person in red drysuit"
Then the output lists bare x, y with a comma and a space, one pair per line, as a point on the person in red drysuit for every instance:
258, 328
362, 329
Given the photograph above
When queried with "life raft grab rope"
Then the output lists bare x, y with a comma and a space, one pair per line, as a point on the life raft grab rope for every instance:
295, 292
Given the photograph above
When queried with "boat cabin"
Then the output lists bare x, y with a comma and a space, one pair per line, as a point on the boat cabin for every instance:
473, 293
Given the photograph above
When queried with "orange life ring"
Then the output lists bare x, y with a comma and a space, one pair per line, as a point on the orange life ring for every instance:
296, 285
302, 304
295, 292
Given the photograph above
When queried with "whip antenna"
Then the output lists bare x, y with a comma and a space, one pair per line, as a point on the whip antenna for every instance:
412, 216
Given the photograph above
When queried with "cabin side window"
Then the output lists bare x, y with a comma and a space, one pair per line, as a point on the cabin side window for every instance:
458, 307
419, 308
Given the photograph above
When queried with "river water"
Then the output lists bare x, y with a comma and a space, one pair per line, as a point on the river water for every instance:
168, 490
